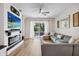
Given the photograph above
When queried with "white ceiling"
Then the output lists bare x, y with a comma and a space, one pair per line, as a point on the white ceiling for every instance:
55, 9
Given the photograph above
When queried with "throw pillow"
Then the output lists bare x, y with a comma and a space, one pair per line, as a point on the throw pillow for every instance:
59, 36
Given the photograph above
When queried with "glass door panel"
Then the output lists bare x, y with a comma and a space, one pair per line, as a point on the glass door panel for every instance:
39, 29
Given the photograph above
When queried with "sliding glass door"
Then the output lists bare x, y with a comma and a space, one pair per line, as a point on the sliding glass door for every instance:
39, 29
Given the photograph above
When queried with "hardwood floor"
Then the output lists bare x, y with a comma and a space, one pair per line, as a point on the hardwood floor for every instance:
30, 47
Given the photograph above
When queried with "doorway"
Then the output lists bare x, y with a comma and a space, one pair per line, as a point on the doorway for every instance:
38, 28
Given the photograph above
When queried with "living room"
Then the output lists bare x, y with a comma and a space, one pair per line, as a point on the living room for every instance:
58, 21
39, 29
62, 23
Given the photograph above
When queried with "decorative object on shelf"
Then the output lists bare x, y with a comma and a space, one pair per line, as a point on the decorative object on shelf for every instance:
76, 19
8, 33
65, 23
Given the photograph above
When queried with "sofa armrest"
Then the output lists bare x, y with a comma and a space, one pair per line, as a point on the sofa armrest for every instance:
76, 50
71, 40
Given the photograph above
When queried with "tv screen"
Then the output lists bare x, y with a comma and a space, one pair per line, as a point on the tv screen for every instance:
13, 21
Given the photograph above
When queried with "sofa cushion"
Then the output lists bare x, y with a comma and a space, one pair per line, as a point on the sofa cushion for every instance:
53, 38
66, 38
58, 40
55, 34
59, 36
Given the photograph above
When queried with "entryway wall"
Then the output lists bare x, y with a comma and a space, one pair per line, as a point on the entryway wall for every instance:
26, 27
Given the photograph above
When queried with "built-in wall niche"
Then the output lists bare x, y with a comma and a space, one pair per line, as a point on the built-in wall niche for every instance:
76, 19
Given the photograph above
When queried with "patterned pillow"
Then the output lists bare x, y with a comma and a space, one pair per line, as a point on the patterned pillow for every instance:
66, 38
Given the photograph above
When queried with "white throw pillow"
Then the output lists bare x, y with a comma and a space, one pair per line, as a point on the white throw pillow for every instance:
59, 36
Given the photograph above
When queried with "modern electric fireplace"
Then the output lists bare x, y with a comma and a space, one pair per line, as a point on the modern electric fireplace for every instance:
12, 41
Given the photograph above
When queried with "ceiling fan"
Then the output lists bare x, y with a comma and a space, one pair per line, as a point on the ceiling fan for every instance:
44, 12
40, 9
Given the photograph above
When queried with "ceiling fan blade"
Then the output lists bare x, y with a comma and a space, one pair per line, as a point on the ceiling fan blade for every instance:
47, 12
40, 10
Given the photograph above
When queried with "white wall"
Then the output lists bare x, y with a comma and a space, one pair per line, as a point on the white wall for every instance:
27, 28
1, 24
4, 8
23, 25
72, 31
51, 26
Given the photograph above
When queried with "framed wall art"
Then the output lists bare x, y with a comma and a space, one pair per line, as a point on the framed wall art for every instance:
76, 19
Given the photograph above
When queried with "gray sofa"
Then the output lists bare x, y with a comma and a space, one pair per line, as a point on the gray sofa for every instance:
61, 46
60, 49
76, 50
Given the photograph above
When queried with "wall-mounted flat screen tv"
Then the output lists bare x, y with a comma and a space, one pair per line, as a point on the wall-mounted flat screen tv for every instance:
14, 22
